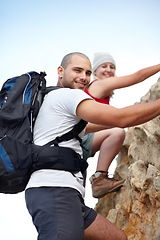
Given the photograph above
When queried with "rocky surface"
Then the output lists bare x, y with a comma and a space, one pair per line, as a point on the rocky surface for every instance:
136, 207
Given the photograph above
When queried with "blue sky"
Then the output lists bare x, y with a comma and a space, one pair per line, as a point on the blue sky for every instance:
36, 34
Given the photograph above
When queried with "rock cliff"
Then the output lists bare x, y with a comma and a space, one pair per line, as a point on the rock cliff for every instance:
136, 207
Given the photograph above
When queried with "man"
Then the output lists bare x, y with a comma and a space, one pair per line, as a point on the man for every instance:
54, 198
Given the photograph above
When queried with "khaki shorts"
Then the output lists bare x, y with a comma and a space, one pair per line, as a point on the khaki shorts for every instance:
86, 144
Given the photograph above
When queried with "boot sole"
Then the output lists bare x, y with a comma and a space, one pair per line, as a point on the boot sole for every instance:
99, 194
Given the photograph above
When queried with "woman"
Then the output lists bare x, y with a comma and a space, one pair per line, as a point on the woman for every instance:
108, 141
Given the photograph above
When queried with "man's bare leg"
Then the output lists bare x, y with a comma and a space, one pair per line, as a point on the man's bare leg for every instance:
102, 229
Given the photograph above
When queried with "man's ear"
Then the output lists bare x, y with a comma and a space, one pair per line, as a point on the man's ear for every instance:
60, 72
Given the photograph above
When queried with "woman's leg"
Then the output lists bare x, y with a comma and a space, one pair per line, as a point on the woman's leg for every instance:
109, 142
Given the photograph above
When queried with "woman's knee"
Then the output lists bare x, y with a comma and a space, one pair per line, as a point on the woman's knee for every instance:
119, 133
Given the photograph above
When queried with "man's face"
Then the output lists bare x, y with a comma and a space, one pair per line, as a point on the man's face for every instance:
77, 74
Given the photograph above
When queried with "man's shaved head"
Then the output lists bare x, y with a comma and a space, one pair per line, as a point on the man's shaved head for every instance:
67, 59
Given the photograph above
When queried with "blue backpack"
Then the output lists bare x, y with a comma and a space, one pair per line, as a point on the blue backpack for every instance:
20, 101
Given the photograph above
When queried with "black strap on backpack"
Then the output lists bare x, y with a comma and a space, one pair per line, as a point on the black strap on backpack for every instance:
61, 158
69, 135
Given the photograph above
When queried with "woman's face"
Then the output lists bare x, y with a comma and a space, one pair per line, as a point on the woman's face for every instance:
105, 70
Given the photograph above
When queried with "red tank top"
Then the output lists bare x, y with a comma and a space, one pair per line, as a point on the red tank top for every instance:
104, 100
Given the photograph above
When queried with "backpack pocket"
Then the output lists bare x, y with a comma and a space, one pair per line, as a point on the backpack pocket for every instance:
15, 164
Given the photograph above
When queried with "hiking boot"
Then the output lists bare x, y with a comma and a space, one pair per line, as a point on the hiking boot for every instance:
102, 184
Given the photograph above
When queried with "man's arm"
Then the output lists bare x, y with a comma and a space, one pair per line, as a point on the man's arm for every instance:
106, 115
91, 127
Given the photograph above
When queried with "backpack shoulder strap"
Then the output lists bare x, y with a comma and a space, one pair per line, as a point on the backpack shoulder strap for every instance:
72, 133
69, 135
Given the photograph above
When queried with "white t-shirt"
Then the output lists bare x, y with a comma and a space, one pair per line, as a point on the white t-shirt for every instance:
56, 117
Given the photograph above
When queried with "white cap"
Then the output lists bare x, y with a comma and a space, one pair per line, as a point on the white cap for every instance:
100, 58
